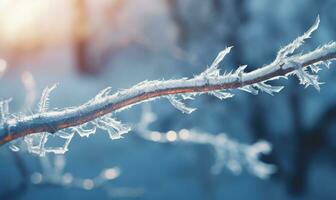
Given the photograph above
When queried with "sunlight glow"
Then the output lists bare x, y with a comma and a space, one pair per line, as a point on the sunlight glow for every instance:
26, 22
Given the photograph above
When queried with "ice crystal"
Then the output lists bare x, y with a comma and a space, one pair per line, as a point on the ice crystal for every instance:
39, 143
249, 89
269, 89
14, 148
66, 136
315, 68
304, 76
240, 71
86, 129
102, 94
114, 128
221, 94
178, 104
36, 142
307, 79
290, 48
213, 70
44, 101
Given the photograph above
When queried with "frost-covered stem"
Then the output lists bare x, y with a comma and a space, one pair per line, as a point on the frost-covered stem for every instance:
52, 121
228, 153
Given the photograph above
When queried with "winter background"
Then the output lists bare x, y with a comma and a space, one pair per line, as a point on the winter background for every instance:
87, 45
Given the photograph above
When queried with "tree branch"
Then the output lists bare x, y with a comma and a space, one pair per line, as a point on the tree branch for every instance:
53, 121
97, 112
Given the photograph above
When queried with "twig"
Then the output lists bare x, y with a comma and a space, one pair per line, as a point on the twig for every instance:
210, 82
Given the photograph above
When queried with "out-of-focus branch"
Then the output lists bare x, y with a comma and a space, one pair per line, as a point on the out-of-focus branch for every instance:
229, 153
81, 35
53, 175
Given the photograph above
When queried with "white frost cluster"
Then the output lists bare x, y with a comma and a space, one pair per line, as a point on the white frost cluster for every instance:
229, 153
37, 143
284, 60
212, 76
307, 76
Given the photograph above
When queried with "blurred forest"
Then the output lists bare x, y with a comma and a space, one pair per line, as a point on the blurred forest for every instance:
87, 45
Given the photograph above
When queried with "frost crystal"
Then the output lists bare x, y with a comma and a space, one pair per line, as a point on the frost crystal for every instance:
178, 104
86, 129
114, 128
44, 102
36, 143
240, 71
213, 70
290, 48
221, 94
66, 136
14, 148
102, 94
249, 89
261, 86
307, 79
39, 143
315, 68
269, 89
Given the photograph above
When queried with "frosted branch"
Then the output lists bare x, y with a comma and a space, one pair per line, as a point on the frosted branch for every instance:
98, 112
